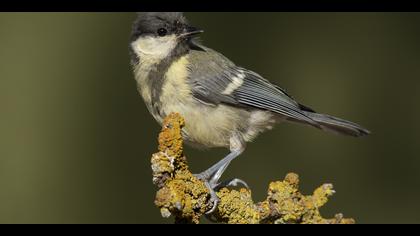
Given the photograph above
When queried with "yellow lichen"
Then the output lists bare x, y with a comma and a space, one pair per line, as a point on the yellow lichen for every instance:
237, 207
186, 198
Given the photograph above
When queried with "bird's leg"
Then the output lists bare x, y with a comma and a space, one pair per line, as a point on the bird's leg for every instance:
212, 175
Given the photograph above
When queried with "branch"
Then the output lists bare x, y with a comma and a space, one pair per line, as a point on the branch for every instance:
182, 195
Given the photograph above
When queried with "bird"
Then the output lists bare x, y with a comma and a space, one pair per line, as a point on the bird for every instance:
223, 104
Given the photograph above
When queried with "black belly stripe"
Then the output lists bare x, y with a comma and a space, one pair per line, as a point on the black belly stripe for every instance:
156, 77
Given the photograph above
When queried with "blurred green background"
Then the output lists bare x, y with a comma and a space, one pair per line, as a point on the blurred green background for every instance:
76, 139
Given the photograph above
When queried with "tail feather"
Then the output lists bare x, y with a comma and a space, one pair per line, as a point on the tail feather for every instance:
337, 125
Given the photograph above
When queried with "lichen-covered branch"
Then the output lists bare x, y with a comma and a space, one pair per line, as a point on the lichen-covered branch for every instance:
186, 198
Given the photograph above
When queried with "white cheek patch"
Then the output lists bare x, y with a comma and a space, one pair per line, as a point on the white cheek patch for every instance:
157, 47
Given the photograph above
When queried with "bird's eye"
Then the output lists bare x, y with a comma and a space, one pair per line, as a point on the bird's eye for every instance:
162, 32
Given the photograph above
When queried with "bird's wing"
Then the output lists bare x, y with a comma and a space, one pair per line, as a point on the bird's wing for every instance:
226, 83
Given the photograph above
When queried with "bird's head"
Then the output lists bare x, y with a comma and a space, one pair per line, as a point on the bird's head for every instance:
157, 34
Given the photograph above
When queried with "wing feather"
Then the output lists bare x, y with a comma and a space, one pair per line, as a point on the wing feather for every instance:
209, 85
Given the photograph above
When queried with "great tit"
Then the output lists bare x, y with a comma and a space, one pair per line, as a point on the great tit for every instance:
224, 105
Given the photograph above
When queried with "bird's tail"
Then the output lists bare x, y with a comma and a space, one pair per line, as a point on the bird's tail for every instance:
337, 125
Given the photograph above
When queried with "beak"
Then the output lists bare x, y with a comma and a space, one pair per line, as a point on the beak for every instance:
190, 32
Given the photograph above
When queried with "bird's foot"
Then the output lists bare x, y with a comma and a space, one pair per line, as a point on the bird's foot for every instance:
213, 185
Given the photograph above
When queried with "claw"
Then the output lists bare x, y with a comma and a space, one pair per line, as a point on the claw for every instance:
232, 183
213, 198
213, 187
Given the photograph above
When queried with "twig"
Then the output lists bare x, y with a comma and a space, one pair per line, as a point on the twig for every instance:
182, 195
